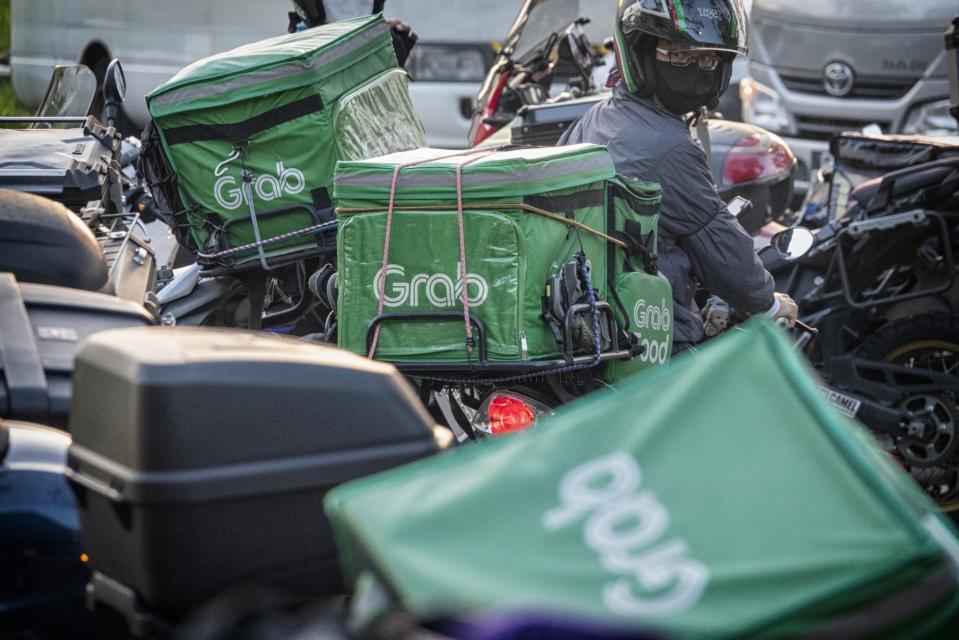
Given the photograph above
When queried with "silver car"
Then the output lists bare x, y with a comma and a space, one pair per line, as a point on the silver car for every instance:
820, 67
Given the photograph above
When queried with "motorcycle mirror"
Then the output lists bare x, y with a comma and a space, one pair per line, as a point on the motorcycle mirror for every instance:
114, 90
793, 244
114, 83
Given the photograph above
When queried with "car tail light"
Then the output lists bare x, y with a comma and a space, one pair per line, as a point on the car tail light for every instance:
504, 413
755, 157
484, 129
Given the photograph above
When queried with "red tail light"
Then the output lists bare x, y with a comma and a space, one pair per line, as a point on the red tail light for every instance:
509, 414
484, 130
756, 157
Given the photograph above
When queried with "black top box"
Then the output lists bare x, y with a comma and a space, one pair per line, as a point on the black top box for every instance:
201, 457
41, 329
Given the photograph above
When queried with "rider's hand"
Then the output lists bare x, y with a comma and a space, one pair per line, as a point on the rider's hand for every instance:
403, 29
404, 38
785, 310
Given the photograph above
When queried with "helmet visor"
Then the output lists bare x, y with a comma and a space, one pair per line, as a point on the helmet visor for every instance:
721, 25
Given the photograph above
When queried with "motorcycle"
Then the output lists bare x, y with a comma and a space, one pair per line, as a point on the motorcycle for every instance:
880, 302
542, 80
73, 159
880, 286
547, 46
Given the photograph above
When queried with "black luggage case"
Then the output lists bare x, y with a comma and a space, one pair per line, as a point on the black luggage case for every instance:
60, 164
41, 327
208, 466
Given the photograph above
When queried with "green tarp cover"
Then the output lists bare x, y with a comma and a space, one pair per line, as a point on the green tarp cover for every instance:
718, 497
286, 109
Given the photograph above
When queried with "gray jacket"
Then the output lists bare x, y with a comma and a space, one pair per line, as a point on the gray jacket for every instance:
698, 237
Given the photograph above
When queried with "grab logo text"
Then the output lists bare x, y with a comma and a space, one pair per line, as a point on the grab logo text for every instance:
229, 194
625, 524
438, 289
652, 317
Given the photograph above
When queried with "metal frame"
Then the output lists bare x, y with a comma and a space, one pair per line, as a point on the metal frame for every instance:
226, 266
483, 365
843, 272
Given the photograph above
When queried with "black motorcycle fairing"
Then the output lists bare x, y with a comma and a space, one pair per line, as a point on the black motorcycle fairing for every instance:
43, 242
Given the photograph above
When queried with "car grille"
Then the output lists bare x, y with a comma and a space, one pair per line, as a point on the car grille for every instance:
826, 128
870, 87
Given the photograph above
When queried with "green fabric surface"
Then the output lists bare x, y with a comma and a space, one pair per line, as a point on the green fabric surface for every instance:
350, 66
720, 496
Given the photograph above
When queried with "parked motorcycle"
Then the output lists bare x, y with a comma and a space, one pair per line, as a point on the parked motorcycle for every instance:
880, 287
74, 160
521, 102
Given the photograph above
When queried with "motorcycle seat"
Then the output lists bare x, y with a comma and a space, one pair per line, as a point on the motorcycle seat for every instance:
42, 241
920, 178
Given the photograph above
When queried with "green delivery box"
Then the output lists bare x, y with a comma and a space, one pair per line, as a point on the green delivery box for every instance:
721, 496
526, 213
283, 110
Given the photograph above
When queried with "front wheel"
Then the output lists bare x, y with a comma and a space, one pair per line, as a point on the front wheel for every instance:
931, 342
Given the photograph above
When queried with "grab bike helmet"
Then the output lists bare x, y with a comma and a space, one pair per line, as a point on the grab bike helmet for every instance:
721, 26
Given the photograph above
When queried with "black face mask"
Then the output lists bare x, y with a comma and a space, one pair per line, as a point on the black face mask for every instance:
685, 89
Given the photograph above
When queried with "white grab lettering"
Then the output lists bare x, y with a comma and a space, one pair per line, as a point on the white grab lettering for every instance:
656, 318
439, 289
625, 526
228, 192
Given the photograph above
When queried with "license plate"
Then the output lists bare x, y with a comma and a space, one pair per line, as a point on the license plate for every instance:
846, 405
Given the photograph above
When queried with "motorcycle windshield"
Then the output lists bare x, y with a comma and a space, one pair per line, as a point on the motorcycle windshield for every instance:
531, 31
536, 22
70, 93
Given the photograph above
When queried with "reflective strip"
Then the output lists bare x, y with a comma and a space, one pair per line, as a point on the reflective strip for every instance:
210, 87
479, 178
680, 17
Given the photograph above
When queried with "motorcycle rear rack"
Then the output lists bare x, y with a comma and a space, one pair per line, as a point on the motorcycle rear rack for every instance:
482, 365
223, 261
841, 267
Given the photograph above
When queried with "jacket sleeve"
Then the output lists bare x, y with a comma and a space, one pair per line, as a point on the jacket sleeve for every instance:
720, 251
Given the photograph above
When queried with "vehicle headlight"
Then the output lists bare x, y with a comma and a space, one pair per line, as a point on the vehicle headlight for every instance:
763, 107
447, 63
931, 119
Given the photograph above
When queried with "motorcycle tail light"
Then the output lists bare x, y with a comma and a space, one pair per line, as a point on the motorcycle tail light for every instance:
504, 413
484, 130
757, 157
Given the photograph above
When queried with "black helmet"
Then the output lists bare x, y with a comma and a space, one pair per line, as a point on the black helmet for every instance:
713, 25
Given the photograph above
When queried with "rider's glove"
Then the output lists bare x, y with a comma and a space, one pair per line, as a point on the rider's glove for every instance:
784, 308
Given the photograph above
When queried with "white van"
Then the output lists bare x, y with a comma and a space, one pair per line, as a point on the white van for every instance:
154, 40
